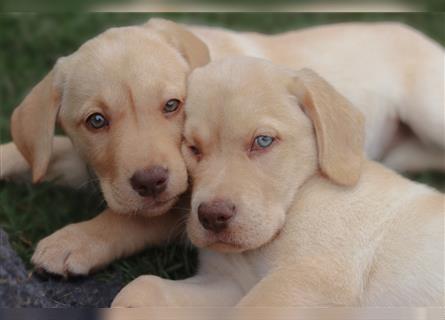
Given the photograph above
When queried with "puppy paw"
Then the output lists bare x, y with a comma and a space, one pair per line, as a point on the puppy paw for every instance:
144, 291
71, 251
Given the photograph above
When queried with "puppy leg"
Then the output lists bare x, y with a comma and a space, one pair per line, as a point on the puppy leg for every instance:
306, 284
283, 289
80, 248
272, 296
198, 291
13, 166
424, 108
410, 155
66, 168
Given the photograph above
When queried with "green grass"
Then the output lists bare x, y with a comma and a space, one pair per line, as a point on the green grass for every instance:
30, 44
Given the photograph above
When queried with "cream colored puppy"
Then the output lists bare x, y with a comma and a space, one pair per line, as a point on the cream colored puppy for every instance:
293, 213
119, 98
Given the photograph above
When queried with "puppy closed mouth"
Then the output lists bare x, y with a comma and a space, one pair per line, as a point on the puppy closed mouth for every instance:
156, 205
222, 246
225, 243
162, 201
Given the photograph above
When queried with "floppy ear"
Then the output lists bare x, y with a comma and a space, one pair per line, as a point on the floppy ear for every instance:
33, 124
339, 127
193, 49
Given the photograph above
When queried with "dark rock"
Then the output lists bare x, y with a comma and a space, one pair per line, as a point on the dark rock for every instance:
19, 289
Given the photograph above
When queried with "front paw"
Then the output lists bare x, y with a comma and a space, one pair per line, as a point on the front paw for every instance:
71, 251
144, 291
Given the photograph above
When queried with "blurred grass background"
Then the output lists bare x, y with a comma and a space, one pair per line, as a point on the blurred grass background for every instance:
31, 43
221, 5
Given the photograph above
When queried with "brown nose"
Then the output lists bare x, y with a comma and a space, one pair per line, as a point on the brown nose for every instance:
215, 215
150, 182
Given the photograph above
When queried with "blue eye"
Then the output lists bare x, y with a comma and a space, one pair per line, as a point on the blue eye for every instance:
97, 121
171, 105
264, 141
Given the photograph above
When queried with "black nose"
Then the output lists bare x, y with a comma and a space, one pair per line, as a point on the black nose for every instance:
150, 182
215, 215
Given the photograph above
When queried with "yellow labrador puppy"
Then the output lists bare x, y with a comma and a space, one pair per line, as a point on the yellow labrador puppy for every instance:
286, 207
119, 98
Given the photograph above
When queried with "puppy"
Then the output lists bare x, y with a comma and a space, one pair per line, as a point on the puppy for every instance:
286, 208
119, 99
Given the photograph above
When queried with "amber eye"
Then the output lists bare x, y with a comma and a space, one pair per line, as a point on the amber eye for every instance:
195, 151
97, 121
171, 105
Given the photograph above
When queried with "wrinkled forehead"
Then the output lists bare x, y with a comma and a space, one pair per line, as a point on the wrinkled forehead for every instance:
236, 98
123, 57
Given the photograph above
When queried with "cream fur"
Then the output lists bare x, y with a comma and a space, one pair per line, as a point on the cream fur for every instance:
128, 73
298, 238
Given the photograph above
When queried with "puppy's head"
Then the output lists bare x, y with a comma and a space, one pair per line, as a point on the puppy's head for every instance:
254, 133
120, 99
